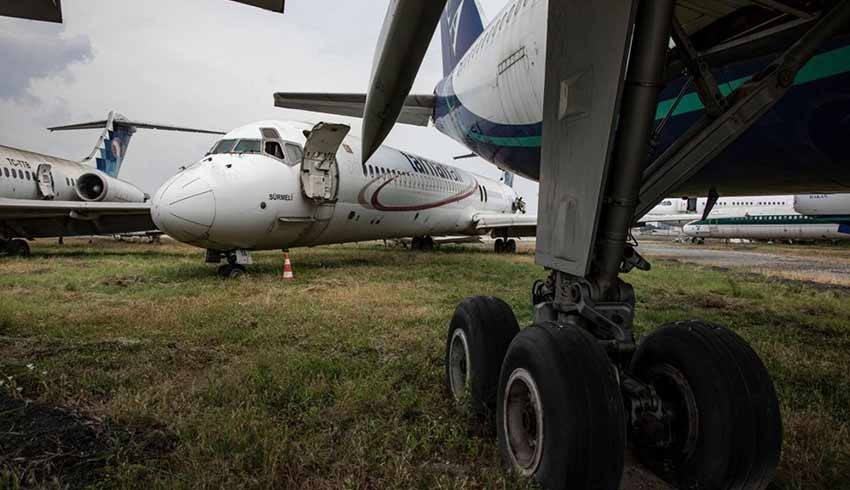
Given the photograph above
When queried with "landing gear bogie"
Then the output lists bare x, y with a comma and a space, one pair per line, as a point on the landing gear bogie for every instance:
505, 246
422, 244
696, 402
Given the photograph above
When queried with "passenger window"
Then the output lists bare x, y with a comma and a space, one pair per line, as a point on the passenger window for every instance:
28, 175
14, 174
294, 153
6, 171
273, 149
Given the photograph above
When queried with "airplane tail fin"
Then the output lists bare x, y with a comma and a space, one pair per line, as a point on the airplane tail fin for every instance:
111, 148
462, 24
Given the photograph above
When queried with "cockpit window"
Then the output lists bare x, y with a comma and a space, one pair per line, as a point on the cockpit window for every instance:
236, 146
272, 148
223, 146
294, 152
247, 146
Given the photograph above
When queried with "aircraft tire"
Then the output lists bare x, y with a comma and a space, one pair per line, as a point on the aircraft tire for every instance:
560, 418
732, 437
510, 245
18, 248
480, 332
229, 271
499, 246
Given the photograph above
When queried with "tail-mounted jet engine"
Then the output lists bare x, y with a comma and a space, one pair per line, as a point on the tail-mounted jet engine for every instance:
96, 186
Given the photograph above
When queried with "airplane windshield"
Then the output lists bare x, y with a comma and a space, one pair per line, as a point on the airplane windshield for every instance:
236, 146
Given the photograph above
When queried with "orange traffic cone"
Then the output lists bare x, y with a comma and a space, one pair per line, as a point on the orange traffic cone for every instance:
287, 268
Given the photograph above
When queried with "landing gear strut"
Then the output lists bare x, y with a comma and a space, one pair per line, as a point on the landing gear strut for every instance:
15, 248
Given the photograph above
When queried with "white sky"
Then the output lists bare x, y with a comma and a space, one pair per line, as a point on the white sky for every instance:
201, 63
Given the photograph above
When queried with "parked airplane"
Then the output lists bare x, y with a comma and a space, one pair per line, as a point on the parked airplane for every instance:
810, 217
679, 212
45, 196
276, 185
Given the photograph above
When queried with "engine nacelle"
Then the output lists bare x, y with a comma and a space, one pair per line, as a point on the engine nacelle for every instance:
822, 204
96, 186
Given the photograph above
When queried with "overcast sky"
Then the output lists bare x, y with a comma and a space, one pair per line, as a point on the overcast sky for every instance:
202, 63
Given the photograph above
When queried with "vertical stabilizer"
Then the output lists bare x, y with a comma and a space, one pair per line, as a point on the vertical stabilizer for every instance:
462, 24
111, 147
108, 154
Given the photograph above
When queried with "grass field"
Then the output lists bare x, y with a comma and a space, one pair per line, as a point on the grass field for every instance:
133, 366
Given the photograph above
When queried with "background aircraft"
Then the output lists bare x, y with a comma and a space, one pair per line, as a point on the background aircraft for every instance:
275, 185
810, 217
45, 196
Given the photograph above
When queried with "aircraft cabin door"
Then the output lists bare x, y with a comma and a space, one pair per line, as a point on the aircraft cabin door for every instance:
45, 181
319, 168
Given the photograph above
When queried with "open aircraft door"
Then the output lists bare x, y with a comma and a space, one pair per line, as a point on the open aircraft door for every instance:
45, 181
319, 168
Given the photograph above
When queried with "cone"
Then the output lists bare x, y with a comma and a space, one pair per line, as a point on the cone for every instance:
287, 268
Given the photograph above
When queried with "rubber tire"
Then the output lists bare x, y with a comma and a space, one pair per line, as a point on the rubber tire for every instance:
427, 244
489, 325
18, 248
739, 436
511, 246
584, 435
416, 243
499, 246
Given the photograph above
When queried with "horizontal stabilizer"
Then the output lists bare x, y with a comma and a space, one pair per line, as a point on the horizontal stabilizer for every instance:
273, 5
417, 109
134, 124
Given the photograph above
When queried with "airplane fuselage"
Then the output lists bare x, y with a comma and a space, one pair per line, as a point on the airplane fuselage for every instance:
252, 200
492, 102
19, 175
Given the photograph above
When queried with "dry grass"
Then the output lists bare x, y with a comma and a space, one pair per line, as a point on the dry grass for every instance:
335, 380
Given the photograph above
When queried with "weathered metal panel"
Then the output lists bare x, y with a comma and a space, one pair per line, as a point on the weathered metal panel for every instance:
586, 57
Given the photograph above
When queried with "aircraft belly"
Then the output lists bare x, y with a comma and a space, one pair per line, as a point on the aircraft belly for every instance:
799, 146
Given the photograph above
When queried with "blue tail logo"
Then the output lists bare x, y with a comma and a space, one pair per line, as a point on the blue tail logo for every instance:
461, 26
111, 149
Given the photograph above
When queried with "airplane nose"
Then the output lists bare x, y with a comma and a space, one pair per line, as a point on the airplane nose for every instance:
184, 207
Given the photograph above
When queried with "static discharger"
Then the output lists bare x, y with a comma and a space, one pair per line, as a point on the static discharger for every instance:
287, 268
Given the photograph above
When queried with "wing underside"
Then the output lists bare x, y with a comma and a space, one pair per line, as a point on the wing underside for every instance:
40, 219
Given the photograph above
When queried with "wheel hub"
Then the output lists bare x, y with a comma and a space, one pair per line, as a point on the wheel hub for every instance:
680, 407
523, 422
459, 364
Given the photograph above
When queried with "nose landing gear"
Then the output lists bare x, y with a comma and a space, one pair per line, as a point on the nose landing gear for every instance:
236, 262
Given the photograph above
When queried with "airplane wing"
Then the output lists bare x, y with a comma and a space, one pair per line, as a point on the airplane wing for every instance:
671, 219
416, 110
515, 224
39, 219
51, 10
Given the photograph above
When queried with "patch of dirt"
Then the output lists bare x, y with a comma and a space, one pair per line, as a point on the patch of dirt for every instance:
123, 281
42, 443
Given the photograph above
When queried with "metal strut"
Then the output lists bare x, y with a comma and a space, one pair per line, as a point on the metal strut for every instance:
707, 138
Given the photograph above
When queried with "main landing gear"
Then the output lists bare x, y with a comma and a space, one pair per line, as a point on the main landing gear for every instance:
236, 262
422, 244
14, 248
693, 399
505, 246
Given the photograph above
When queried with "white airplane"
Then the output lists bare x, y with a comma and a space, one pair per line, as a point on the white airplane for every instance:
809, 217
594, 100
275, 185
680, 212
44, 196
